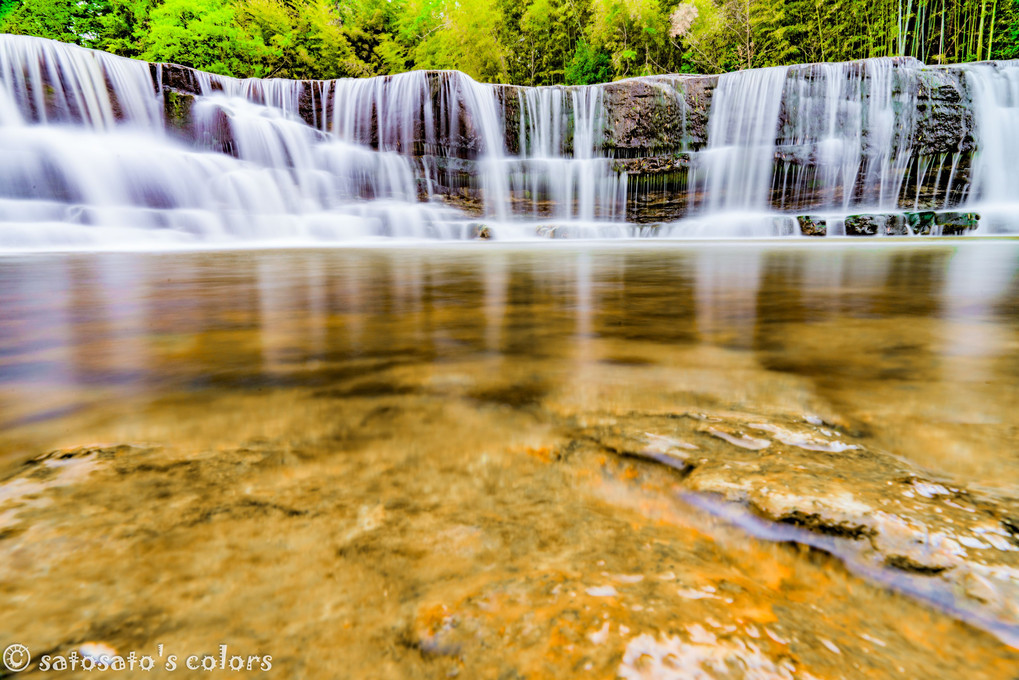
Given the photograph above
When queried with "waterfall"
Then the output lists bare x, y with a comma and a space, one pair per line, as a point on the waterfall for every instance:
55, 83
823, 137
842, 117
995, 184
106, 152
729, 183
737, 166
98, 168
561, 173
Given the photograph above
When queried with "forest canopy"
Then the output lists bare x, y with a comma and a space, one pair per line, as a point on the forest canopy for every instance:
527, 42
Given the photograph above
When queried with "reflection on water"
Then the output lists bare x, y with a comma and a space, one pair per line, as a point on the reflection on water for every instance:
434, 461
907, 341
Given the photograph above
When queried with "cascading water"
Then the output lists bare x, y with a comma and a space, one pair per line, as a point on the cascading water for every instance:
737, 164
821, 138
842, 118
55, 83
105, 152
561, 173
731, 179
995, 183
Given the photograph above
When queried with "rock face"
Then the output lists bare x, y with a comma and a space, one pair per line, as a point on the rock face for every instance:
655, 130
657, 116
876, 513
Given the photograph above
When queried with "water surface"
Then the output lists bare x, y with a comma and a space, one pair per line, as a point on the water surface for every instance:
496, 460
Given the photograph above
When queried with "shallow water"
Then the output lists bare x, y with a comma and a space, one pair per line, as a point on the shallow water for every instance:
651, 460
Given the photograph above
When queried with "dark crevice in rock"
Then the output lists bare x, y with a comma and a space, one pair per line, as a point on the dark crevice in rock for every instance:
906, 563
824, 525
617, 447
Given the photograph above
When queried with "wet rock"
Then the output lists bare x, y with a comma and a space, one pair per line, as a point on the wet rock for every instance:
176, 77
895, 225
674, 453
646, 116
822, 524
955, 223
862, 225
830, 492
942, 223
480, 232
654, 165
812, 226
177, 107
906, 563
873, 225
920, 223
656, 188
936, 181
944, 115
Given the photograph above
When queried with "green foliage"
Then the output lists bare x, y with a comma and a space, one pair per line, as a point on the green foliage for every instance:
72, 21
632, 32
533, 42
457, 34
588, 66
203, 34
548, 36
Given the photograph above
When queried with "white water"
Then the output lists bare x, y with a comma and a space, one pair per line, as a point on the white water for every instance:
995, 184
90, 163
735, 170
561, 174
846, 115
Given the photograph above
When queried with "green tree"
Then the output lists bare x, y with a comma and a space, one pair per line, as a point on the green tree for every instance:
370, 28
203, 34
703, 27
6, 7
533, 42
776, 32
633, 32
588, 66
301, 40
72, 21
456, 34
547, 40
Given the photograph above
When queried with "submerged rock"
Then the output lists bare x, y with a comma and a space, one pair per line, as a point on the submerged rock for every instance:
873, 510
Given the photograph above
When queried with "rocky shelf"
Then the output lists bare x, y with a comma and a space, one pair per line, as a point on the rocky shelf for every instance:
655, 128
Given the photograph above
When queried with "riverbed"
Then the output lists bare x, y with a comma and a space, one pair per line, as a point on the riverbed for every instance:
643, 460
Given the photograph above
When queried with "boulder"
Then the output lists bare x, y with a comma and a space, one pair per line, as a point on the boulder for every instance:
956, 223
891, 224
811, 225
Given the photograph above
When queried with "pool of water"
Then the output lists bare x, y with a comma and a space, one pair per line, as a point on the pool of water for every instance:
761, 460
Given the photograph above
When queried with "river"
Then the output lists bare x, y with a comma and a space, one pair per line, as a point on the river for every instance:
760, 459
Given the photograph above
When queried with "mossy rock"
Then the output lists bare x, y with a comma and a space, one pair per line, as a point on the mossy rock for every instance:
812, 225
